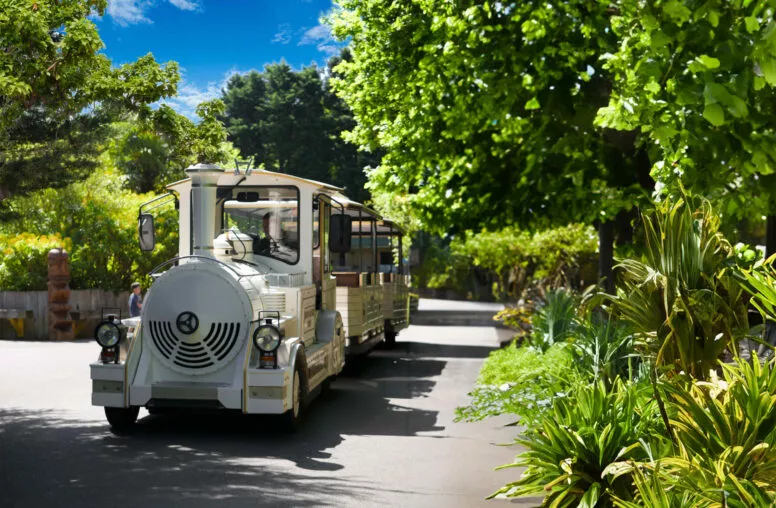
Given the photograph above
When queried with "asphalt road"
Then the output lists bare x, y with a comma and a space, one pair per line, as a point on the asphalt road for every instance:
384, 436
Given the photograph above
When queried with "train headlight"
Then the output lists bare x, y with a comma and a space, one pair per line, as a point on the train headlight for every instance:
267, 338
108, 334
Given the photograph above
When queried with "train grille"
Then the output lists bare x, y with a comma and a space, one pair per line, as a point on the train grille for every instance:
217, 344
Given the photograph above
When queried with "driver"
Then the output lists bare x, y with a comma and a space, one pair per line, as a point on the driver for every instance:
264, 244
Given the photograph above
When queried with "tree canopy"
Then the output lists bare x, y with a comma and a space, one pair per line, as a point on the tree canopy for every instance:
492, 113
58, 92
290, 121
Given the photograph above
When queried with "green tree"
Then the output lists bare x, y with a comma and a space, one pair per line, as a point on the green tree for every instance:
291, 121
58, 92
160, 144
699, 79
485, 111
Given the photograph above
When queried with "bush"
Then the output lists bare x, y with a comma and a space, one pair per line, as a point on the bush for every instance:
24, 262
555, 320
522, 381
572, 457
682, 297
98, 221
513, 261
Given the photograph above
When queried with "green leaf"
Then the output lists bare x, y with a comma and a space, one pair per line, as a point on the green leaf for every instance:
714, 18
653, 87
590, 499
532, 104
677, 11
708, 61
714, 114
768, 68
752, 25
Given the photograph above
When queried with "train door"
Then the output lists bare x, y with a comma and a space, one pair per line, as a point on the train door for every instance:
321, 254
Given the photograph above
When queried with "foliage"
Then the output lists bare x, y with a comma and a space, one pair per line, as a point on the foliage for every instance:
555, 321
97, 223
522, 381
604, 348
24, 261
290, 121
726, 434
517, 261
760, 283
683, 298
569, 459
517, 318
698, 78
58, 92
485, 110
209, 134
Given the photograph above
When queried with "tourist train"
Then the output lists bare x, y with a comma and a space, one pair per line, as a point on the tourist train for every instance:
278, 281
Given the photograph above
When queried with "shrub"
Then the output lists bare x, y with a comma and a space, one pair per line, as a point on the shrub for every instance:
514, 261
583, 439
24, 261
604, 348
726, 434
555, 320
523, 382
98, 220
683, 298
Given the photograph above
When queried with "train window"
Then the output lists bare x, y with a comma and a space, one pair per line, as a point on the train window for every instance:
271, 220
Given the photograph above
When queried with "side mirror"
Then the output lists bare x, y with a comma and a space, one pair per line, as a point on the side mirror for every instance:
340, 233
146, 232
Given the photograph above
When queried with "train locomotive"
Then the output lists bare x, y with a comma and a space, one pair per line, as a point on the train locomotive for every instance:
264, 303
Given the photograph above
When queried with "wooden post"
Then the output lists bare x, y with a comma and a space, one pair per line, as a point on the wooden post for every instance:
60, 323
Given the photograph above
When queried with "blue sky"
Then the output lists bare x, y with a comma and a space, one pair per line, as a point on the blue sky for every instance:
212, 39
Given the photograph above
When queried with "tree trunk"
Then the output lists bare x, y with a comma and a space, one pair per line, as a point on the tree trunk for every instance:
624, 226
606, 255
770, 236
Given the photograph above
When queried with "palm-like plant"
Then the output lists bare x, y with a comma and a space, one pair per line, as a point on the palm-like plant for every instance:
682, 297
584, 435
604, 347
726, 432
555, 320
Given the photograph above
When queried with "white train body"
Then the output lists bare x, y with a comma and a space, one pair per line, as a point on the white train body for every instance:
194, 344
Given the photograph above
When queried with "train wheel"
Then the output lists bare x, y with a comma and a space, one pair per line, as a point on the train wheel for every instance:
291, 420
390, 338
122, 419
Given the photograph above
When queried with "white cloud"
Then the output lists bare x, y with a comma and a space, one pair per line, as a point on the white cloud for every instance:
131, 12
321, 37
185, 5
190, 95
284, 34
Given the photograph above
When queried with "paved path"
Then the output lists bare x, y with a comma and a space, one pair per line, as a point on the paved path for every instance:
385, 436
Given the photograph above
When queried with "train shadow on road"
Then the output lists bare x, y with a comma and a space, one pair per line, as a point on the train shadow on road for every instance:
199, 459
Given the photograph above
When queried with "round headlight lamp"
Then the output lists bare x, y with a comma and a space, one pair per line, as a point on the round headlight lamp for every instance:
267, 338
107, 334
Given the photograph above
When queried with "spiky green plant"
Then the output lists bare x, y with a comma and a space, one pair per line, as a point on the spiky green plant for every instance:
555, 320
726, 433
583, 435
682, 298
604, 348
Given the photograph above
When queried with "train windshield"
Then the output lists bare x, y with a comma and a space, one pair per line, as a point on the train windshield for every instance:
270, 216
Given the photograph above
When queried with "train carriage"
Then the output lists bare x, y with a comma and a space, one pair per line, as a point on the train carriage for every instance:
252, 314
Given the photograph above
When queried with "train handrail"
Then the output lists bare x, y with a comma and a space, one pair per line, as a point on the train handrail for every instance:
153, 273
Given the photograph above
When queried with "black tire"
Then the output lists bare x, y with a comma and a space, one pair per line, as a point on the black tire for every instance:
291, 420
122, 419
390, 338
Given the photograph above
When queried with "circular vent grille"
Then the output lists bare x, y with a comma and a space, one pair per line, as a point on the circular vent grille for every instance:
212, 349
